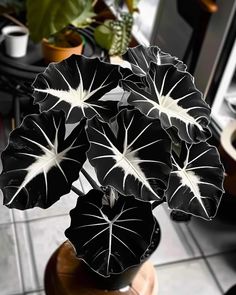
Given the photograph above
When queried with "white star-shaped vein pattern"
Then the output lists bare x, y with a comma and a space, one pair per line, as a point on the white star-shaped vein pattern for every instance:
49, 158
77, 97
128, 159
166, 104
194, 183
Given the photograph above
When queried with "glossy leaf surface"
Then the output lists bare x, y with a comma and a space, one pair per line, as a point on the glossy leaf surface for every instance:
76, 86
140, 58
132, 154
172, 97
196, 182
39, 164
111, 240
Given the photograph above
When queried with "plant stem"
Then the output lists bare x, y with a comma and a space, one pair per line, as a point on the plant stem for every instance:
90, 180
77, 191
157, 203
113, 196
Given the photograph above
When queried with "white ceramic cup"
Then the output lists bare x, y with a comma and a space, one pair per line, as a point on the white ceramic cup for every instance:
16, 40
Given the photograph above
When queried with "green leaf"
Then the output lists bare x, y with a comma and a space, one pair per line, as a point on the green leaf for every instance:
86, 17
121, 34
46, 17
103, 35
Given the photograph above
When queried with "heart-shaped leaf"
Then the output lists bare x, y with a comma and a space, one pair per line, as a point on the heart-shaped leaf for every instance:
47, 17
86, 17
39, 164
132, 154
110, 240
172, 97
196, 182
76, 86
140, 58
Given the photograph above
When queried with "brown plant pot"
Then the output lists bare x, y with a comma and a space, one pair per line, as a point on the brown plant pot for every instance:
67, 275
228, 155
54, 53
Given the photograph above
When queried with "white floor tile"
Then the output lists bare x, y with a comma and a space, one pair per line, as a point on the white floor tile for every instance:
214, 236
25, 257
47, 235
19, 215
188, 278
174, 245
224, 267
61, 207
5, 213
10, 281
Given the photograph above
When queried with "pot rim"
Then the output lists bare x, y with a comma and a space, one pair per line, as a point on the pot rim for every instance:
50, 45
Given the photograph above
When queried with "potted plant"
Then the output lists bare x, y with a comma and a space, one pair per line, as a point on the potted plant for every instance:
55, 22
147, 146
115, 34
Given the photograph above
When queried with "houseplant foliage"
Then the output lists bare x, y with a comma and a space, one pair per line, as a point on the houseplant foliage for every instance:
146, 149
114, 35
47, 18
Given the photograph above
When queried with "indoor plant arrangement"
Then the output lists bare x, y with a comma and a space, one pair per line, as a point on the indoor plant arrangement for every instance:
47, 18
57, 28
147, 146
115, 35
56, 23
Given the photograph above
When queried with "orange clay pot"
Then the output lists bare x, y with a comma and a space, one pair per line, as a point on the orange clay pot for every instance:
54, 53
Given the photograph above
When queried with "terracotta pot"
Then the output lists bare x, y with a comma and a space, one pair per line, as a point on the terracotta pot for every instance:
53, 53
67, 275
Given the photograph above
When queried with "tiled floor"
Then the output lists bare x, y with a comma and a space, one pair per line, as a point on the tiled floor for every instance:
195, 258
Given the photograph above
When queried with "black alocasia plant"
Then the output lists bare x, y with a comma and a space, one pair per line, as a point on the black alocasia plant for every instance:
147, 146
